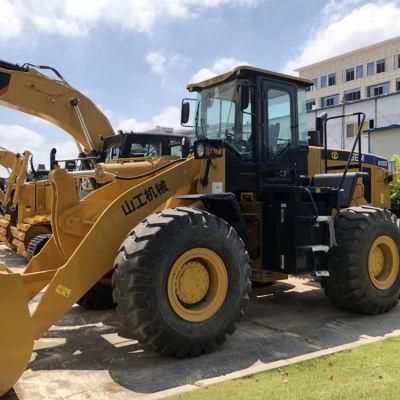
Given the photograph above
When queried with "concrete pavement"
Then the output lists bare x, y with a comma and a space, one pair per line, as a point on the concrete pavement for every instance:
82, 357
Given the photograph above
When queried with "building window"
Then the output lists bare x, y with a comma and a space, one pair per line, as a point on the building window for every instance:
331, 79
323, 81
310, 104
350, 130
378, 90
380, 66
359, 72
398, 85
352, 95
315, 84
350, 74
398, 60
330, 101
371, 124
370, 68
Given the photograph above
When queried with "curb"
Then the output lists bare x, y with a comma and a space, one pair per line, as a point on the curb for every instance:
260, 366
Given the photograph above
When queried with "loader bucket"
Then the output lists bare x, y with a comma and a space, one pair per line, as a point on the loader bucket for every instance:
16, 332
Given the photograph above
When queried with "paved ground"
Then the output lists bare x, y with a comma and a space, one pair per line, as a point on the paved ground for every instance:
82, 357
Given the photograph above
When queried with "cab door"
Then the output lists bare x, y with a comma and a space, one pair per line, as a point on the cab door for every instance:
281, 148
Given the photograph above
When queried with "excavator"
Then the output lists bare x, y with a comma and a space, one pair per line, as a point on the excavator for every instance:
182, 238
25, 89
26, 224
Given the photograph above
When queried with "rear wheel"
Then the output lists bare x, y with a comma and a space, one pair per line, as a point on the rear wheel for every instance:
181, 280
99, 297
364, 268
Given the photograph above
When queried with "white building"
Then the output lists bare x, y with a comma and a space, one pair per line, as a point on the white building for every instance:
169, 131
364, 80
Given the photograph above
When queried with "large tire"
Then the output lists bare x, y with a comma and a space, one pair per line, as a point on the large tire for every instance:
99, 297
157, 305
36, 244
364, 273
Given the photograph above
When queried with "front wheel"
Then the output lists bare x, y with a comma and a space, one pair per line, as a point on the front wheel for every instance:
181, 281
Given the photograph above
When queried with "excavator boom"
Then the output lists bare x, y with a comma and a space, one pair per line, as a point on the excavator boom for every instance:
25, 89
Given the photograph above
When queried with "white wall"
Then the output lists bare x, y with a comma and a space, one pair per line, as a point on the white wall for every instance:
385, 143
385, 111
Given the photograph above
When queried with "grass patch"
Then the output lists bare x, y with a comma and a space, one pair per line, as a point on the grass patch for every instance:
366, 372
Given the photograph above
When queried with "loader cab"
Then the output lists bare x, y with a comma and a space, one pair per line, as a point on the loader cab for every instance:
260, 116
258, 120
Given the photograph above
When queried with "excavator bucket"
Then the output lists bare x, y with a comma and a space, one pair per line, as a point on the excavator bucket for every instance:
16, 331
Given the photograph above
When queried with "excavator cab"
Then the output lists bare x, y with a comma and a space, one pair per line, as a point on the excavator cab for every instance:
134, 144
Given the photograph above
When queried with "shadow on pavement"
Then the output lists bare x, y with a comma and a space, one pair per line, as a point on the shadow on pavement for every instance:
280, 323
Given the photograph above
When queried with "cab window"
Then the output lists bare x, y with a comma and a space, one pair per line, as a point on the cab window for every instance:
113, 152
279, 122
145, 150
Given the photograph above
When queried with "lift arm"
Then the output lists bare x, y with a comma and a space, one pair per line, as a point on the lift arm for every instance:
25, 89
7, 158
91, 260
15, 170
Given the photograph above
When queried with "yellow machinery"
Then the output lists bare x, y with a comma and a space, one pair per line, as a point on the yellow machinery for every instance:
27, 207
9, 161
26, 225
183, 237
27, 90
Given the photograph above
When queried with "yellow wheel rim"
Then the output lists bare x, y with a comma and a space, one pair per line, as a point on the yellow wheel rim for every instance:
197, 284
383, 262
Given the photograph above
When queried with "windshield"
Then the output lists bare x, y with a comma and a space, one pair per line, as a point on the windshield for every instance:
218, 117
145, 149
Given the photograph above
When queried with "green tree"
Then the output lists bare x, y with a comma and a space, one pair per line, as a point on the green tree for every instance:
395, 186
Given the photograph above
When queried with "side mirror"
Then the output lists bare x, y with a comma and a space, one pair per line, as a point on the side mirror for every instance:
185, 112
244, 97
320, 127
53, 161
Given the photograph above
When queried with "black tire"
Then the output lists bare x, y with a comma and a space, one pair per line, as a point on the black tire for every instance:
141, 274
36, 244
349, 285
99, 297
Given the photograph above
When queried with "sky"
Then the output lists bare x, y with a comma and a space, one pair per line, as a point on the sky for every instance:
134, 58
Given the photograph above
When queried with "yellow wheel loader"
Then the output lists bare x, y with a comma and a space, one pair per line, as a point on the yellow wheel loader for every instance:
27, 207
183, 237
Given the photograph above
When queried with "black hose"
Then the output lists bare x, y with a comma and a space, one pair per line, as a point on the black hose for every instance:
45, 67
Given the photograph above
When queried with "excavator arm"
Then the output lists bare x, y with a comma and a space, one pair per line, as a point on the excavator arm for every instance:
25, 89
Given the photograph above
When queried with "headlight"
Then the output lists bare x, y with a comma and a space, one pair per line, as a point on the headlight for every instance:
200, 149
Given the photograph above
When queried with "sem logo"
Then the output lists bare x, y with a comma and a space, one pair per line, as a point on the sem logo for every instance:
334, 155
